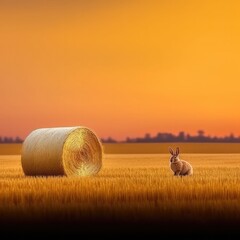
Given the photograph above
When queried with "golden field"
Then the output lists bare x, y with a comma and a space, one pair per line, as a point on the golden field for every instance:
146, 148
135, 187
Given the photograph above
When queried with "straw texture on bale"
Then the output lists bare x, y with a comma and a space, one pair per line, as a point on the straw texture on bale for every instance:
70, 151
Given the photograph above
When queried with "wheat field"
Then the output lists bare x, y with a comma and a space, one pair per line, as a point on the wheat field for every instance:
131, 188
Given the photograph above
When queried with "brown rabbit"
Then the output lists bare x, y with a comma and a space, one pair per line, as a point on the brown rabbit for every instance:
178, 166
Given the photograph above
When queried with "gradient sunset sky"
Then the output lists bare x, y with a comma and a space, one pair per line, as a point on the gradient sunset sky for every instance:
122, 68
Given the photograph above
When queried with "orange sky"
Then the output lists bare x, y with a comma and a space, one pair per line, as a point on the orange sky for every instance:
122, 68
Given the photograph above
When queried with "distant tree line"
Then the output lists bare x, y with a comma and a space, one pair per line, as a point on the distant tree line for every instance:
180, 137
10, 140
159, 137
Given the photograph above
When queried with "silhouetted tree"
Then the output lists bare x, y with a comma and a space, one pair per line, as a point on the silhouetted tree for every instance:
201, 133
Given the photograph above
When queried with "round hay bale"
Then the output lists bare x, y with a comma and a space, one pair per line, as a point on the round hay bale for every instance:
70, 151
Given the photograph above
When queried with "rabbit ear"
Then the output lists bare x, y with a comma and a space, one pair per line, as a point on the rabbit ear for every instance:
177, 151
170, 150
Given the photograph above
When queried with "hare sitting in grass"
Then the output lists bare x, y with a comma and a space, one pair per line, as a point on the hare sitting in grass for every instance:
178, 166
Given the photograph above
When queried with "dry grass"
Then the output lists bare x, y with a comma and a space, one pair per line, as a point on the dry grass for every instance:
146, 148
129, 186
126, 182
159, 148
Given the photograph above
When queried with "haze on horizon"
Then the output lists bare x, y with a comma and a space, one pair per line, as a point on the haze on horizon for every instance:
122, 68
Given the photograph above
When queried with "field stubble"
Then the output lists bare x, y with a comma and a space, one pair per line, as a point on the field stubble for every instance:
129, 188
